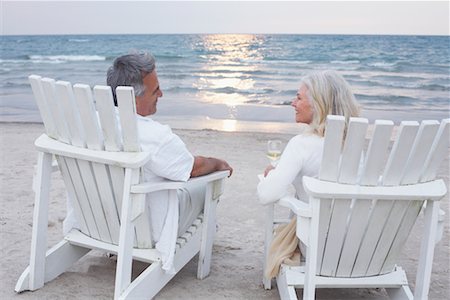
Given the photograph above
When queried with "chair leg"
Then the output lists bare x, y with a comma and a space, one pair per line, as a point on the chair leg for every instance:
427, 251
208, 232
40, 221
126, 238
267, 282
57, 260
309, 289
286, 292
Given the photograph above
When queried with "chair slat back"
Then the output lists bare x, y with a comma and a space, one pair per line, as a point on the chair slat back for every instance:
348, 171
78, 117
329, 171
374, 159
44, 109
127, 112
437, 152
71, 114
360, 237
54, 105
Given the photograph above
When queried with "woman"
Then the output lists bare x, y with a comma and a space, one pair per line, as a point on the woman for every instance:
320, 94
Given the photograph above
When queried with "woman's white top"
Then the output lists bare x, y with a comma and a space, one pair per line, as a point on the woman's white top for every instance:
302, 156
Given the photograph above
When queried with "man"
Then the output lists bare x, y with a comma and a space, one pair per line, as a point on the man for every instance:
171, 159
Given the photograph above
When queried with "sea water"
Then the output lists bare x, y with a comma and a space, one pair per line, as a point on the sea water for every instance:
240, 77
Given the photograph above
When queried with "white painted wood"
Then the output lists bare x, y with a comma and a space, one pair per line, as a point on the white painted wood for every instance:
351, 154
77, 238
350, 160
437, 153
309, 289
38, 92
268, 237
336, 235
209, 230
402, 235
331, 150
433, 190
71, 193
57, 260
402, 293
124, 256
40, 216
153, 279
326, 206
83, 96
122, 159
287, 292
423, 276
71, 115
94, 140
400, 152
376, 153
329, 170
54, 105
128, 123
108, 120
419, 151
295, 276
93, 200
386, 238
360, 213
83, 199
374, 229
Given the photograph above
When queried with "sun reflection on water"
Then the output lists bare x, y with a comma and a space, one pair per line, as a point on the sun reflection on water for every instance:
228, 68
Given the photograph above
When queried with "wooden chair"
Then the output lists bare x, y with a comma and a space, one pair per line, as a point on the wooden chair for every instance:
355, 224
100, 162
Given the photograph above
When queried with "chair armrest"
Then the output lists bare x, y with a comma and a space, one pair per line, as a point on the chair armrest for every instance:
148, 187
296, 206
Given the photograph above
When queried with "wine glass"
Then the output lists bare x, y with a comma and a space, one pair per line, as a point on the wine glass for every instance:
274, 151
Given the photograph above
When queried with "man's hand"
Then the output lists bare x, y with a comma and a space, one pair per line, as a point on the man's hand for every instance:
207, 165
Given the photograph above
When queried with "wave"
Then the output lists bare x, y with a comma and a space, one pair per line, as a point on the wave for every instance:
79, 40
382, 64
345, 62
64, 58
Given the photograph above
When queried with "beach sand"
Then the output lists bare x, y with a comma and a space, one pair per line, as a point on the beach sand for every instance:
236, 268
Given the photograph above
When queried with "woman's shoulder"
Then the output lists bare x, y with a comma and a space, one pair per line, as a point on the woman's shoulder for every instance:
306, 138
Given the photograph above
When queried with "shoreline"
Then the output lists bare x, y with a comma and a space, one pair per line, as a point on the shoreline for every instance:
191, 122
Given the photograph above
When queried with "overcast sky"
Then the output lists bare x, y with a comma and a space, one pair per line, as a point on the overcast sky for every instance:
319, 17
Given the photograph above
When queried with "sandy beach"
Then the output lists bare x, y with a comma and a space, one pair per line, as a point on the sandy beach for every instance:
236, 269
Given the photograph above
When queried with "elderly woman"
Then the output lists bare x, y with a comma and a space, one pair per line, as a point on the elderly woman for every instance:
320, 94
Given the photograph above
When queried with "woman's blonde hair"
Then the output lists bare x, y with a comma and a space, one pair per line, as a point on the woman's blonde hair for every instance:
329, 94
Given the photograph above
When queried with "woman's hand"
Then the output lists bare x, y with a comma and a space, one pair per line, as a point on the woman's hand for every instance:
268, 169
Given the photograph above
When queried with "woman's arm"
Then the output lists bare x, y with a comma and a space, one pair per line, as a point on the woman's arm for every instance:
276, 183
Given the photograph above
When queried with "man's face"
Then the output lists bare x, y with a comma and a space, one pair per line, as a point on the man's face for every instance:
146, 103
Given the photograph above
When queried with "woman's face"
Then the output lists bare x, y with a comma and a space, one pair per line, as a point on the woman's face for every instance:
303, 109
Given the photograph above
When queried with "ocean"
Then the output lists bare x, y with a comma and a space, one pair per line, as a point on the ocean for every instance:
240, 77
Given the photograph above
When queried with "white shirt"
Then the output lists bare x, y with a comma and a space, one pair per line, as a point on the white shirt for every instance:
170, 160
302, 156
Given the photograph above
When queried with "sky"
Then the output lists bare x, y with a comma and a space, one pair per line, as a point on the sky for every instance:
297, 17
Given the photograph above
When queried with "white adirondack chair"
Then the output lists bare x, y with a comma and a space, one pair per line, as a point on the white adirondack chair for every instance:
101, 168
355, 225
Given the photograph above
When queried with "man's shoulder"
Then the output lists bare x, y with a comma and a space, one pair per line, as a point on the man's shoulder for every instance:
149, 122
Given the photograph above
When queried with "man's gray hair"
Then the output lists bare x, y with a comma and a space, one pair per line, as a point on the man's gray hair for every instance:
130, 70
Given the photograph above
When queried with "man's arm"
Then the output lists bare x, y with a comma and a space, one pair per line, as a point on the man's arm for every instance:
206, 165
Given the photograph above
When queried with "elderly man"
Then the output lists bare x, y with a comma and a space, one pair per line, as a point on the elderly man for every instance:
170, 160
